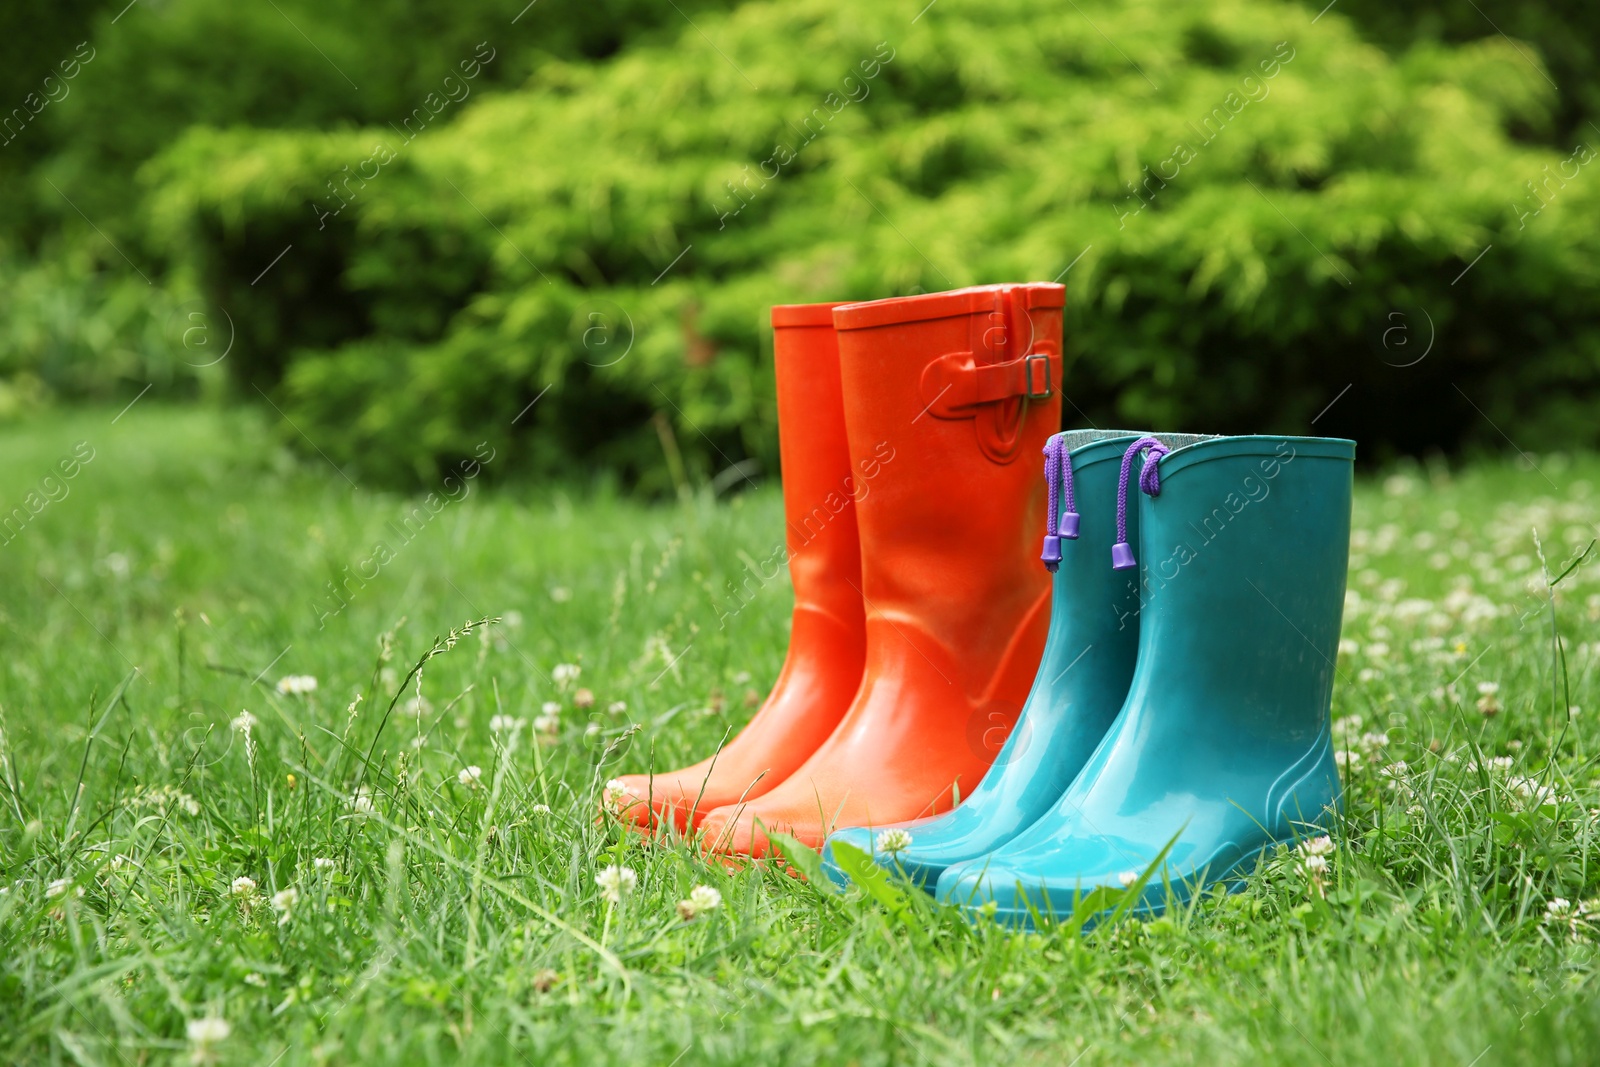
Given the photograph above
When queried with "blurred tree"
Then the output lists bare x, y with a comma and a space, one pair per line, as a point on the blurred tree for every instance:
36, 37
167, 65
1559, 37
144, 71
1240, 201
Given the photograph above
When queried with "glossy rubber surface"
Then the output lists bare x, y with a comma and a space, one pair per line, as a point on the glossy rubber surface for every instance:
827, 642
1223, 746
957, 603
1082, 681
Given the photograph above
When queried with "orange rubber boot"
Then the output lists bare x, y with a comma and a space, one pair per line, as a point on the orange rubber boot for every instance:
827, 641
952, 395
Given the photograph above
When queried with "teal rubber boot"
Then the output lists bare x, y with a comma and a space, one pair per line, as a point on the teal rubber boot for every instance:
1223, 747
1083, 675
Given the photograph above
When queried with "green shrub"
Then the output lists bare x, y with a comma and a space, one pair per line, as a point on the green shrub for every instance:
125, 81
72, 330
1239, 200
1564, 35
294, 64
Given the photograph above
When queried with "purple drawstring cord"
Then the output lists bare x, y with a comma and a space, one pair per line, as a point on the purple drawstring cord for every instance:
1149, 482
1057, 459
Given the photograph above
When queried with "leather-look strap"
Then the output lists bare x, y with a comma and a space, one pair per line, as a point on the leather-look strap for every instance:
956, 385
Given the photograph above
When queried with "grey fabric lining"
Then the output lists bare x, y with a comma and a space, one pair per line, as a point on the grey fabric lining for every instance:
1176, 441
1076, 439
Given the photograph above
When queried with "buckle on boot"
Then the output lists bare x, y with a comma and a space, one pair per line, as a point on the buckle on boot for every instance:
956, 386
1032, 363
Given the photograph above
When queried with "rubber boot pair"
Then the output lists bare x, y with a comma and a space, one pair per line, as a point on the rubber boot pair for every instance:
940, 397
1222, 746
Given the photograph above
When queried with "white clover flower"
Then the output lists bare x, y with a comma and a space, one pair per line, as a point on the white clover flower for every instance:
297, 684
242, 886
616, 882
618, 793
702, 898
470, 776
591, 731
165, 796
417, 707
1344, 757
583, 699
361, 801
548, 725
1488, 689
1315, 865
60, 886
205, 1034
1127, 878
283, 901
564, 674
893, 842
560, 594
244, 722
617, 707
501, 724
1316, 846
550, 707
539, 809
323, 863
1532, 791
1557, 908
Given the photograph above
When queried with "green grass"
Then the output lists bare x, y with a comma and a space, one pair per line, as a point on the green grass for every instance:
185, 573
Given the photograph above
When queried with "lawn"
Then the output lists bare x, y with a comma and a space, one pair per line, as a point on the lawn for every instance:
324, 880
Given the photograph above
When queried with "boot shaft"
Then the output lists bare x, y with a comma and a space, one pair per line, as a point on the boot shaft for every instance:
820, 485
1242, 569
1091, 606
943, 394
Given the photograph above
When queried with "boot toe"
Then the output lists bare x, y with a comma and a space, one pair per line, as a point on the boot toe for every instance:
858, 836
735, 830
984, 887
1011, 893
922, 867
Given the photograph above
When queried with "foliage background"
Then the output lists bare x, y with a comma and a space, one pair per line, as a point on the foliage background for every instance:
597, 190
